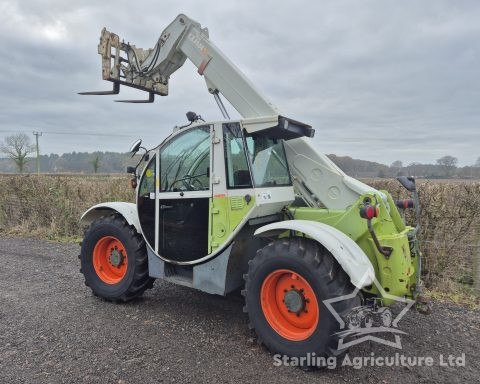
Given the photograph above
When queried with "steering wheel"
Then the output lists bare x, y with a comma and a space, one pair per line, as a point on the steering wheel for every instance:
192, 181
199, 182
186, 187
188, 182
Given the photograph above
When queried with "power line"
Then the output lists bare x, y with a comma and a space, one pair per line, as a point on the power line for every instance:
88, 134
81, 133
72, 133
38, 151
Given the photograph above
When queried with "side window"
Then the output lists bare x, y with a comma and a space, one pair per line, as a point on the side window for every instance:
238, 174
147, 184
269, 162
146, 202
185, 162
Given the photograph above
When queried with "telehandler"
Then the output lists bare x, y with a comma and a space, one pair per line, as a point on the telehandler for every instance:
245, 204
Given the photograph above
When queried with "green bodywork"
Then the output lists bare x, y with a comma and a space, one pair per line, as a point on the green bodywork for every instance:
226, 213
395, 273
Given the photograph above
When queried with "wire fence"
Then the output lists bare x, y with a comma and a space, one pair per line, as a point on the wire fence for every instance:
449, 235
464, 270
450, 231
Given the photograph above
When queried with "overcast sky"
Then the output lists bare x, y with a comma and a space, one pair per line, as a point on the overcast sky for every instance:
378, 80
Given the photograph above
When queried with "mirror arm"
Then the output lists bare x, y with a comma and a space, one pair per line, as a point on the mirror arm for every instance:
141, 159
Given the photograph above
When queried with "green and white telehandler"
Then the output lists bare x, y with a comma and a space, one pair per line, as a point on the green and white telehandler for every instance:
247, 204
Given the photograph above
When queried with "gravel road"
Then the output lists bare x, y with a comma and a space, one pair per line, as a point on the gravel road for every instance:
53, 330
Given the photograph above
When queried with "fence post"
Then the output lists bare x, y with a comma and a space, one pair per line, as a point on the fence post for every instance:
476, 264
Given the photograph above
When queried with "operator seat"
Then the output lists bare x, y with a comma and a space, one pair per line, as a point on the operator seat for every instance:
241, 178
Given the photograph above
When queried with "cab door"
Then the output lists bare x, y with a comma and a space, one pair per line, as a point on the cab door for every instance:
233, 194
183, 197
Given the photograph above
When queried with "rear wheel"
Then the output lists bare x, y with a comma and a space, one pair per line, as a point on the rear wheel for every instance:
286, 285
114, 260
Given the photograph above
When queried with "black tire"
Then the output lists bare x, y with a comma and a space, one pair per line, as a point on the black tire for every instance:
136, 279
326, 278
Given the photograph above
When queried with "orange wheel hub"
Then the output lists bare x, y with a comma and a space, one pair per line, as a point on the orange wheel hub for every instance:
110, 260
289, 304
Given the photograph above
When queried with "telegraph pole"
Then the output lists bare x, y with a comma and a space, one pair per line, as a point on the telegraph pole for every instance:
38, 151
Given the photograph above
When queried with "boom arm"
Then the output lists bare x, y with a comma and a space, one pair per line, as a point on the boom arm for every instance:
150, 69
316, 178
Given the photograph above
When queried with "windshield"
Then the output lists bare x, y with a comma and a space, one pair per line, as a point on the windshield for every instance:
185, 161
269, 164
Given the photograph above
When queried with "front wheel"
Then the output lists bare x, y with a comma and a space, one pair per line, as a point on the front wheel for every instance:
114, 260
286, 285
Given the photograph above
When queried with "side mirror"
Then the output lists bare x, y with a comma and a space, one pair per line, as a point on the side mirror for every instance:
131, 169
135, 146
192, 116
408, 183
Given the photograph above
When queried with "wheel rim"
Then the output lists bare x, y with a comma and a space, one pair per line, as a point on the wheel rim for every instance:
289, 304
110, 260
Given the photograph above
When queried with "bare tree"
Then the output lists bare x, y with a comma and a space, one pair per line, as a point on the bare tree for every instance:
414, 169
477, 163
17, 147
397, 164
95, 163
448, 164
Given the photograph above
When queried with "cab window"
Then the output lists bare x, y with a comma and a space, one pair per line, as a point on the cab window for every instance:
268, 161
147, 184
238, 173
146, 202
185, 161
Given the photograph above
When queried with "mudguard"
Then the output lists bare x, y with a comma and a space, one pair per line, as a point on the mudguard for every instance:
348, 254
127, 210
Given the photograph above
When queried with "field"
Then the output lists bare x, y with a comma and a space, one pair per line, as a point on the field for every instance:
49, 206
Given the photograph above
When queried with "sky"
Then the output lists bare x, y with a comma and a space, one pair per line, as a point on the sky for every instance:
379, 80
